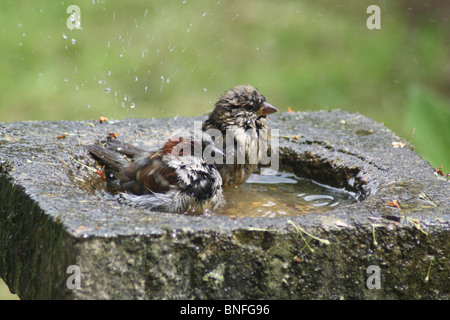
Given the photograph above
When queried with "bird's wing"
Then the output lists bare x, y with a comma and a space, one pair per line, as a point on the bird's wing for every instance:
124, 148
156, 176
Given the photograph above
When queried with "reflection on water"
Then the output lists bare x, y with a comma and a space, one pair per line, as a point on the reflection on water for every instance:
282, 194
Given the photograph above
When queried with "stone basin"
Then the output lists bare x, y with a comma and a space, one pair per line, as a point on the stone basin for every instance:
55, 213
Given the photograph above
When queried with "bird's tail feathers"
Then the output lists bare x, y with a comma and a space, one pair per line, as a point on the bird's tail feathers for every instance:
124, 148
112, 160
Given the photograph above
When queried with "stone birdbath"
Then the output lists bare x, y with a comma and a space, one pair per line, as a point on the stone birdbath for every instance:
63, 237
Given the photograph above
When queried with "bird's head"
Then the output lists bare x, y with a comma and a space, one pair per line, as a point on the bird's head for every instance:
240, 105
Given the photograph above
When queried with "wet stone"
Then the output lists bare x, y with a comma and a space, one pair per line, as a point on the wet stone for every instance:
55, 214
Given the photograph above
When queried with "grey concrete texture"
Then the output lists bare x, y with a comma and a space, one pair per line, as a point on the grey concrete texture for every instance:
55, 212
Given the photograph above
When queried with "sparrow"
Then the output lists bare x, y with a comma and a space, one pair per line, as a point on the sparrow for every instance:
241, 113
170, 179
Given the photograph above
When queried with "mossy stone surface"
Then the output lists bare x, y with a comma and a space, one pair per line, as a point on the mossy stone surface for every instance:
54, 212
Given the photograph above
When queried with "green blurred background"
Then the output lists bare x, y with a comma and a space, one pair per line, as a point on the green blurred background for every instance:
160, 58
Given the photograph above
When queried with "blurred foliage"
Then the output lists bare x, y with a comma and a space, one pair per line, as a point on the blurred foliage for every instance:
166, 58
429, 114
161, 58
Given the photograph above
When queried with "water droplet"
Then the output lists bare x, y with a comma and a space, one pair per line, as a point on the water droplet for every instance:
146, 89
136, 79
107, 90
64, 36
108, 72
204, 89
133, 105
74, 41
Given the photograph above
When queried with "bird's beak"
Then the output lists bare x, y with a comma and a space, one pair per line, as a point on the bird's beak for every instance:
215, 150
266, 109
